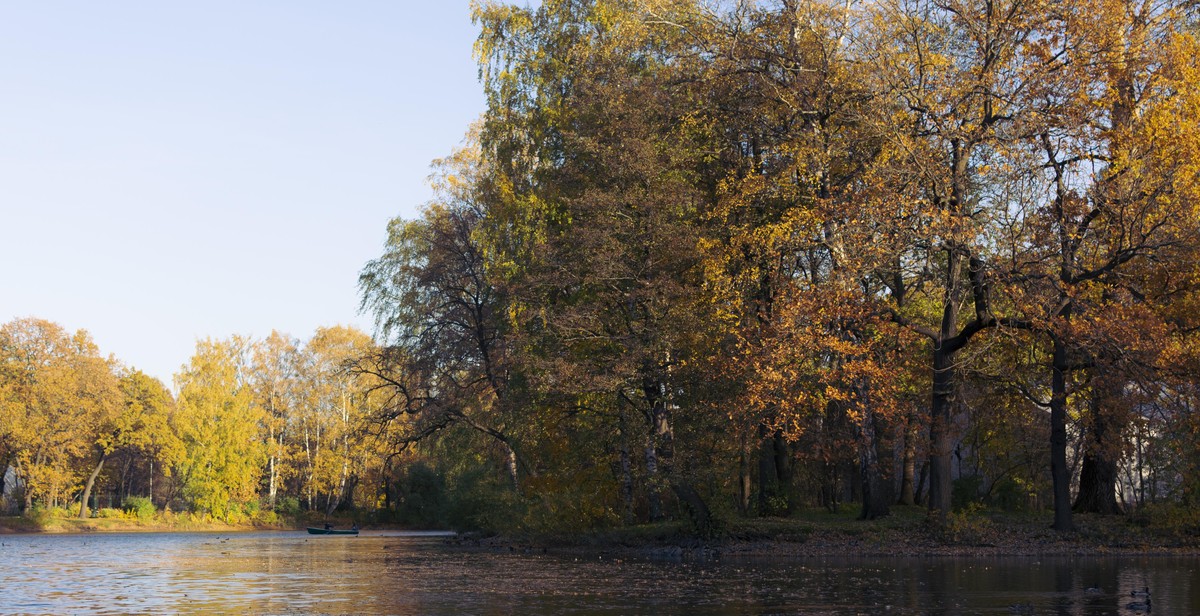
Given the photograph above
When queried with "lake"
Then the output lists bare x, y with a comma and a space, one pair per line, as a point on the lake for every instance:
414, 573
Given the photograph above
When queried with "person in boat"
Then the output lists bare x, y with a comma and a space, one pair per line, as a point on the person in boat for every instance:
328, 526
355, 527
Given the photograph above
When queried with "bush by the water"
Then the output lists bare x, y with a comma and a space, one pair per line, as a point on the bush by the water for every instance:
288, 506
139, 507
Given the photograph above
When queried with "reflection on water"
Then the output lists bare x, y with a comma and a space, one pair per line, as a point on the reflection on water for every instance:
411, 573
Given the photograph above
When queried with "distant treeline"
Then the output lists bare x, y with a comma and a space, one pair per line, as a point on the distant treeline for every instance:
269, 425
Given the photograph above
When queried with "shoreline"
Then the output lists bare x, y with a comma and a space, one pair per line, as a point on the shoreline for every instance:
8, 526
16, 525
824, 548
806, 535
831, 536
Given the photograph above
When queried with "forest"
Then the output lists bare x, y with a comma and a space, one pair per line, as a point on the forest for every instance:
705, 260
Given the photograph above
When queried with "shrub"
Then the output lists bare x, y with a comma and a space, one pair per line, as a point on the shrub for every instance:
1169, 519
967, 526
1012, 494
422, 497
777, 505
477, 500
110, 512
139, 507
42, 515
265, 517
288, 506
965, 492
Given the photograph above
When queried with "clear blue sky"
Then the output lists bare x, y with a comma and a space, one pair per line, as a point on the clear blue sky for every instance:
172, 171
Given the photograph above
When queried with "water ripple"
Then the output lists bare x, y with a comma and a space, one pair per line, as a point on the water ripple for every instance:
285, 572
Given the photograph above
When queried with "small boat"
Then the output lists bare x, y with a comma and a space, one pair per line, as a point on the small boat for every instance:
332, 531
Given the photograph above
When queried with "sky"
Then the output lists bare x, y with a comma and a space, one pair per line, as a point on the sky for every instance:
174, 171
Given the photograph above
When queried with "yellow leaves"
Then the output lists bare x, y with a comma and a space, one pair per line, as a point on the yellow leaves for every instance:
59, 399
218, 425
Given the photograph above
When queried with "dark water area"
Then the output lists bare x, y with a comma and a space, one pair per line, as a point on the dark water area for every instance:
414, 573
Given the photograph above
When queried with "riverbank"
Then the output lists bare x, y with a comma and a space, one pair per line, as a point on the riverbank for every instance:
806, 534
160, 522
905, 533
23, 525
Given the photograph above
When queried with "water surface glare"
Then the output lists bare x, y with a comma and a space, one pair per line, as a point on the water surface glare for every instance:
413, 573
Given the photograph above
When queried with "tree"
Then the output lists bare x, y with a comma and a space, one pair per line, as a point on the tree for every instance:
439, 319
335, 408
58, 395
136, 423
219, 427
142, 429
602, 213
275, 378
1113, 205
952, 76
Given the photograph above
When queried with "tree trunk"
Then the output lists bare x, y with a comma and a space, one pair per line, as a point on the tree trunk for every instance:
87, 488
783, 471
767, 473
626, 473
697, 509
876, 485
510, 463
23, 482
3, 476
852, 470
1098, 476
626, 487
335, 497
830, 464
344, 474
308, 467
653, 499
941, 404
661, 452
660, 446
1058, 440
919, 494
745, 478
273, 471
274, 484
1097, 487
908, 494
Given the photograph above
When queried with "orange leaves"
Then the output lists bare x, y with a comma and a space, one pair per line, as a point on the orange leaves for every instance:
827, 347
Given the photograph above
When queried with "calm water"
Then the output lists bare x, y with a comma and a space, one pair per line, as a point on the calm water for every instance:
411, 573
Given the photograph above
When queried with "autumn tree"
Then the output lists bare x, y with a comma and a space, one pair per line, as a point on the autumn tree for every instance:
58, 397
951, 77
218, 423
605, 212
136, 427
1104, 207
141, 433
439, 320
334, 406
275, 379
